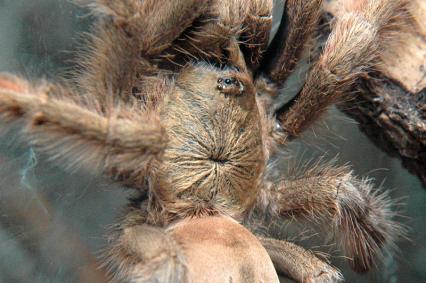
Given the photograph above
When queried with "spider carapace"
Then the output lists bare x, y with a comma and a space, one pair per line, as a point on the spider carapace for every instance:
182, 101
215, 154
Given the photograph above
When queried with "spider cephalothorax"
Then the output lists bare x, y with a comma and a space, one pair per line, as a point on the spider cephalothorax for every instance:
181, 101
214, 152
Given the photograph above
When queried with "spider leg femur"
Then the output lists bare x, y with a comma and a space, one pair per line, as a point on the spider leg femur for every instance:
299, 264
361, 217
130, 38
255, 31
72, 127
140, 252
299, 22
355, 44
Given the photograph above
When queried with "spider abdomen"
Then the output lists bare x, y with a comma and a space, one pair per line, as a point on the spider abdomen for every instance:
218, 249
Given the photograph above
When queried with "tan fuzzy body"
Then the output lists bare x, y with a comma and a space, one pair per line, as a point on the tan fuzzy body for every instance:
214, 155
218, 249
176, 100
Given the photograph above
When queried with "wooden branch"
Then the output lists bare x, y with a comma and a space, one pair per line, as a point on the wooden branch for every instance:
390, 104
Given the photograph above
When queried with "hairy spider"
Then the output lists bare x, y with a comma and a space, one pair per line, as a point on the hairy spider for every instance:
180, 101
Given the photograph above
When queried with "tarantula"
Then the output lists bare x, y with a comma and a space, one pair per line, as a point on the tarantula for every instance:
180, 100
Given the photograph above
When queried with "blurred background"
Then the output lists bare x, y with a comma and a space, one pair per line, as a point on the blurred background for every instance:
53, 223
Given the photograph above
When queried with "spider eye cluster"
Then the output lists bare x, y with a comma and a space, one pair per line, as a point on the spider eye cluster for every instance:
230, 85
227, 81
